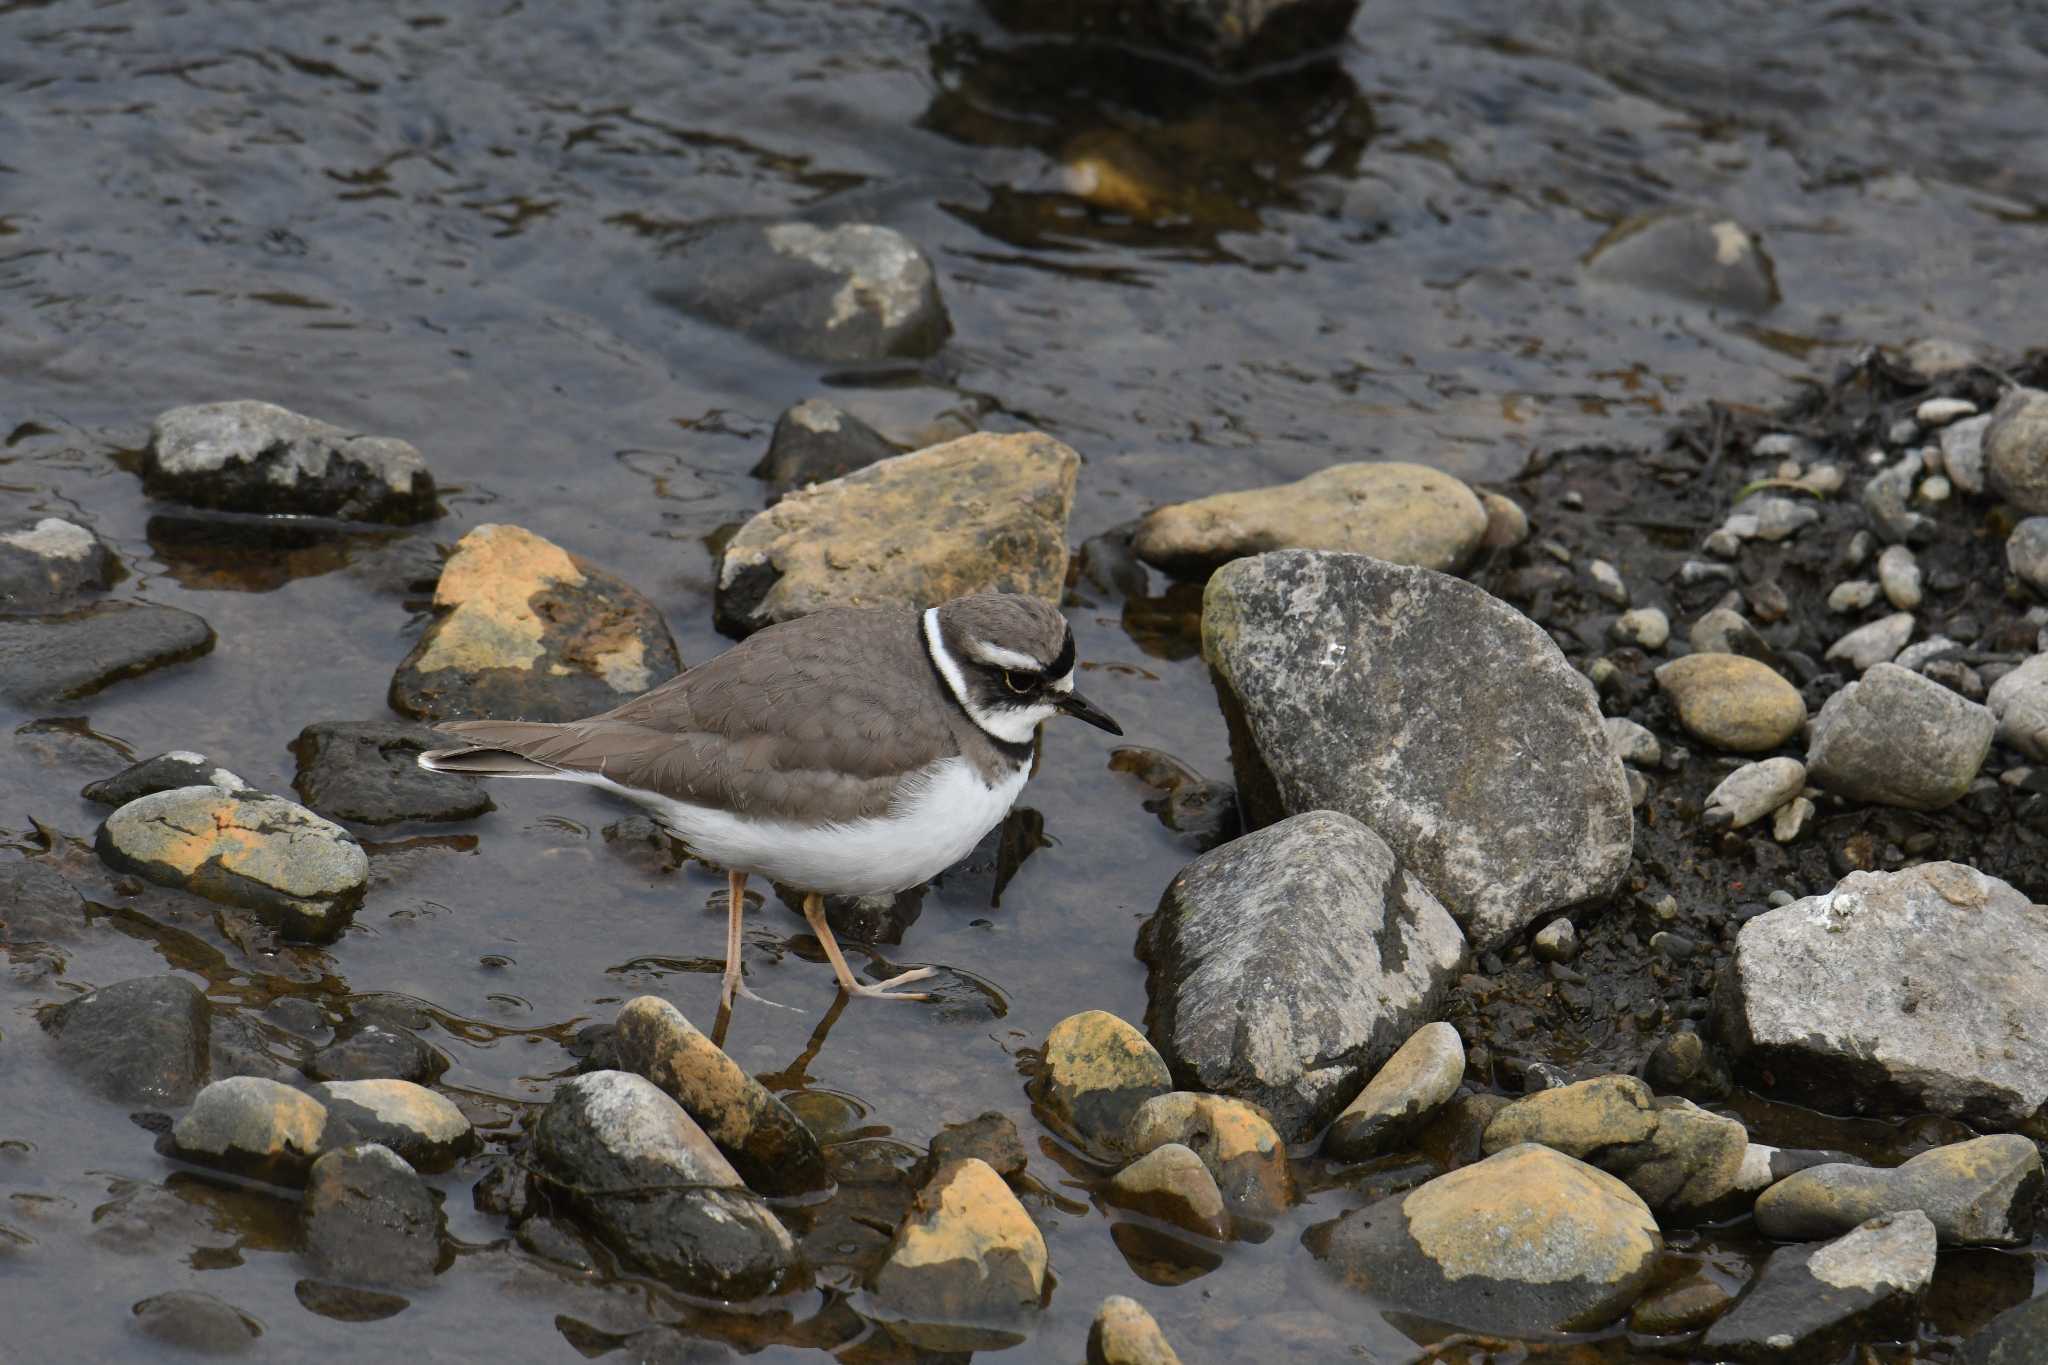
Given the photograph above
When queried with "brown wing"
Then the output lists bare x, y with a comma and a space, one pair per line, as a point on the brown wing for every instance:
815, 718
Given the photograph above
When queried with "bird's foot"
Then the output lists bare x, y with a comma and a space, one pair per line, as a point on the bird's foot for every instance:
735, 986
881, 989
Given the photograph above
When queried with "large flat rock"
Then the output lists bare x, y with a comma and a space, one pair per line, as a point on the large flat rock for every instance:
67, 655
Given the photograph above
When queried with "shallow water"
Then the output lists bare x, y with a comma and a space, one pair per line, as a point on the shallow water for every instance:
449, 223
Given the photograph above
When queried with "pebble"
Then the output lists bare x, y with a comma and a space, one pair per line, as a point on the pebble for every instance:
1824, 480
1898, 572
298, 871
1962, 453
525, 630
1679, 1308
768, 1145
1936, 357
2019, 702
1885, 499
816, 440
368, 772
1790, 820
247, 456
1557, 941
1098, 1070
967, 1265
1742, 525
1633, 743
1939, 412
424, 1128
1647, 627
63, 657
984, 513
143, 1041
1732, 702
1234, 1140
1405, 1094
1879, 642
1841, 1002
1779, 517
253, 1127
1401, 513
377, 1052
1753, 791
1441, 718
1903, 432
1935, 489
178, 768
1914, 657
1853, 595
1898, 739
2026, 553
1810, 1303
1722, 543
1977, 1193
2016, 449
1607, 582
370, 1219
1171, 1183
1726, 631
1526, 1240
1123, 1333
49, 562
1507, 525
1783, 445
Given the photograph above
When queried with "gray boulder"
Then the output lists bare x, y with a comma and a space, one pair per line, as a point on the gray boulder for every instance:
46, 562
1810, 1302
1899, 739
817, 440
370, 1219
368, 771
61, 657
143, 1041
1287, 965
257, 457
1925, 989
1434, 713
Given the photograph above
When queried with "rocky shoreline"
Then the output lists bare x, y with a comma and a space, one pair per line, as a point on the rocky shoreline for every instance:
1601, 833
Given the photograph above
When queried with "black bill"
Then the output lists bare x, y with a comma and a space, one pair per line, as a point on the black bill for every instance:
1078, 706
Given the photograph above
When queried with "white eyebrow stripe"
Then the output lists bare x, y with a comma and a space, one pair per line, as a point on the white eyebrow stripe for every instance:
998, 657
1063, 684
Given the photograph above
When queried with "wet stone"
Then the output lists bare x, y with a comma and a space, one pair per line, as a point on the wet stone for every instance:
165, 772
1403, 1095
1732, 702
304, 874
984, 513
1865, 647
1098, 1070
1435, 714
370, 1219
817, 440
1172, 1184
1978, 1193
2018, 1336
377, 1052
1123, 1333
1898, 739
46, 562
855, 292
524, 630
1402, 513
1809, 1302
769, 1146
38, 905
1227, 36
967, 1265
2019, 702
1289, 964
253, 1127
2016, 449
257, 457
1753, 791
196, 1322
368, 772
642, 1175
989, 1137
1920, 990
1526, 1240
1691, 256
424, 1128
61, 657
142, 1041
1234, 1140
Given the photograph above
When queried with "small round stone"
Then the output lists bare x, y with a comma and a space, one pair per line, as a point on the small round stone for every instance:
1732, 702
1648, 627
1557, 941
2026, 553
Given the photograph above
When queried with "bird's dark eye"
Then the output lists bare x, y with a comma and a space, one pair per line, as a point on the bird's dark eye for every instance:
1020, 683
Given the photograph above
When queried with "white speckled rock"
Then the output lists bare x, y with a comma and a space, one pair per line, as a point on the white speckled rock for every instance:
1753, 791
1809, 1303
1879, 642
248, 456
1899, 739
2019, 701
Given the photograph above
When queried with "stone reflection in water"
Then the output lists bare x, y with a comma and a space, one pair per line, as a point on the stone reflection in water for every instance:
238, 552
1141, 151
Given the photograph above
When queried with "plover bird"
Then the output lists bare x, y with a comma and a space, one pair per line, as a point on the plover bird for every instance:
855, 751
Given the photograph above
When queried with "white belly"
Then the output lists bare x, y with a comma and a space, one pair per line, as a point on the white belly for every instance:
944, 813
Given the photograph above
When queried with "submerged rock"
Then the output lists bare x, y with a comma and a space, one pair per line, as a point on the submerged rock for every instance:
1925, 989
1809, 1302
644, 1177
61, 657
253, 1127
257, 457
38, 905
368, 771
1123, 1333
768, 1145
1978, 1193
1693, 256
984, 513
2018, 1336
1287, 965
302, 873
967, 1266
196, 1322
46, 562
1234, 1140
1526, 1240
817, 440
1402, 513
165, 772
142, 1041
370, 1219
1441, 718
1098, 1070
850, 293
1403, 1095
525, 630
1899, 739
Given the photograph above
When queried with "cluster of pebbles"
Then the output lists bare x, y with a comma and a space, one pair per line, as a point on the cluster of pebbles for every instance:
1592, 824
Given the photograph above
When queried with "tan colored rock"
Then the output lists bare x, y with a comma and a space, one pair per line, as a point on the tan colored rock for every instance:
984, 513
1577, 1119
1098, 1070
1402, 1096
1401, 513
252, 1126
1677, 1157
1732, 702
1507, 525
525, 630
767, 1144
1172, 1184
967, 1263
1123, 1333
1235, 1141
424, 1128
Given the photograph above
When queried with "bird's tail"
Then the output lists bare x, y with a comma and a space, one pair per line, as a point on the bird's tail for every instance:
493, 749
